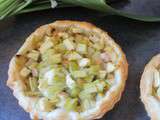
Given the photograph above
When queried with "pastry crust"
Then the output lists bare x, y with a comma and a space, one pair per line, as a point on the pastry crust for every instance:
151, 103
112, 96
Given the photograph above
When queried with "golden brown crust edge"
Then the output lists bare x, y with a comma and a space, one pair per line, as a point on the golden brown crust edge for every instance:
114, 95
152, 105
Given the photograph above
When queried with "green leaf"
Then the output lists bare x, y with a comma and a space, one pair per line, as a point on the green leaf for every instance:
102, 6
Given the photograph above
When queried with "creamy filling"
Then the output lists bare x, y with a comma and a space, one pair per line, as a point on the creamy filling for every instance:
69, 70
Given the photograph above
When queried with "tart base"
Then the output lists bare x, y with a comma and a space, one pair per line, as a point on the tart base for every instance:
151, 103
113, 94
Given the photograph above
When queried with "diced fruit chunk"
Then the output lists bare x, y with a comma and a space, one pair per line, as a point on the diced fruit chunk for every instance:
31, 64
108, 83
93, 70
71, 104
84, 62
87, 104
100, 85
54, 76
43, 84
33, 55
70, 82
81, 48
52, 91
73, 66
102, 74
53, 59
47, 54
60, 48
110, 67
90, 88
89, 78
45, 105
74, 92
69, 45
33, 84
156, 78
46, 45
49, 76
81, 39
56, 58
74, 56
25, 72
79, 74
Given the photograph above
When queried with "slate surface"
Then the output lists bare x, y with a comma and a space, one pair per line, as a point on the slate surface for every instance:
140, 41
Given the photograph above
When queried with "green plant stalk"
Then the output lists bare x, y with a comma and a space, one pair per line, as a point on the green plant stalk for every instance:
9, 9
36, 8
5, 4
23, 5
14, 7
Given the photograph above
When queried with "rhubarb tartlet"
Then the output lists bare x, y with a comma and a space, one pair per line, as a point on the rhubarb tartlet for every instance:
150, 88
68, 70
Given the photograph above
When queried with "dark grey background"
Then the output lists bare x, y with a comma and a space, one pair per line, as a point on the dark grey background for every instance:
140, 41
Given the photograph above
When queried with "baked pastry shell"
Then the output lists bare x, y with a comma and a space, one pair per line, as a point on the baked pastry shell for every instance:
151, 103
112, 96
